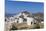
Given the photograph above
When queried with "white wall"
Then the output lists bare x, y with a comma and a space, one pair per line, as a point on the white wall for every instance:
29, 20
20, 20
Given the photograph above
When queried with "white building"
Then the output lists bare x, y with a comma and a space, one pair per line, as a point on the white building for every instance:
20, 20
29, 20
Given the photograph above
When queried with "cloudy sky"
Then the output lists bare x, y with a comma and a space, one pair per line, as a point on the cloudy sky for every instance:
18, 6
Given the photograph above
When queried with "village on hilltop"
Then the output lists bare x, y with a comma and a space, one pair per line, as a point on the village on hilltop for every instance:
24, 20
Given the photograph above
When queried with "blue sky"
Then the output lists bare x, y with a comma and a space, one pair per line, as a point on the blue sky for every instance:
18, 6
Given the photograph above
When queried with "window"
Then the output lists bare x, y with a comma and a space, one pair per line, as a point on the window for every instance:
24, 20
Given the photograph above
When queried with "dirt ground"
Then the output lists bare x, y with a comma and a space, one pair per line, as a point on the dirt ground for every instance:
20, 26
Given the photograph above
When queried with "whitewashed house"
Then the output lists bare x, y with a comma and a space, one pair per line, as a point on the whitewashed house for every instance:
20, 20
30, 20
